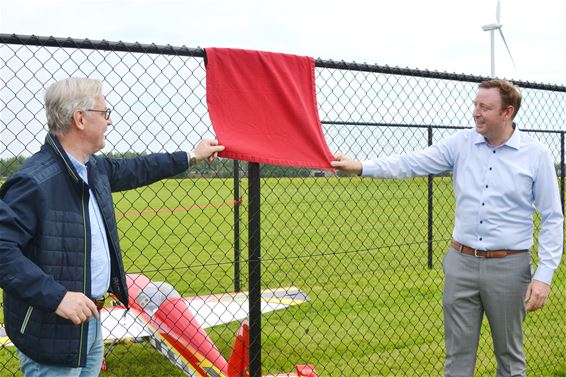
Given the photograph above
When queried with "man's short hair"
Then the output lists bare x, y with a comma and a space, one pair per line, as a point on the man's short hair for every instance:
510, 95
64, 97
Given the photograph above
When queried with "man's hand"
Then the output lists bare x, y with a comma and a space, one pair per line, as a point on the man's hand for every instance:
207, 149
346, 164
536, 296
76, 307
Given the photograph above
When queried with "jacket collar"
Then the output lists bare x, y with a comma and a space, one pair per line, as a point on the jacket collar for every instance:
52, 141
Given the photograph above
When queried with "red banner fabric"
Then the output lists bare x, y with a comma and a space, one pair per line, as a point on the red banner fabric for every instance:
263, 107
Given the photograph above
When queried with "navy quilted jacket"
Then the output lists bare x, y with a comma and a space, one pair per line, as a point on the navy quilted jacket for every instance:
45, 243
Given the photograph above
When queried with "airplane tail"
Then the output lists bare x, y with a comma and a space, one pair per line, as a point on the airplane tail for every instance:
239, 362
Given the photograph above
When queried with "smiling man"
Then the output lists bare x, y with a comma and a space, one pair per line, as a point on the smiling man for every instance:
500, 177
59, 249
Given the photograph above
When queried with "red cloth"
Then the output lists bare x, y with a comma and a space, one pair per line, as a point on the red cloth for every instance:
263, 107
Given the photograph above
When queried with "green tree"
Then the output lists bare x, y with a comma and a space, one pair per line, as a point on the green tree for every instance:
11, 165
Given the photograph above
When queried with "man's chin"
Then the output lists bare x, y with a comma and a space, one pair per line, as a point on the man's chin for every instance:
101, 146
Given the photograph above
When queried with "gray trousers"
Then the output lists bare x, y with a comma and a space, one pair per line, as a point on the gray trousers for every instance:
474, 286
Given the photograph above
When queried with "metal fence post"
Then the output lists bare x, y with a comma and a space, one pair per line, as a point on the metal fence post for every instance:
562, 169
237, 203
430, 205
254, 234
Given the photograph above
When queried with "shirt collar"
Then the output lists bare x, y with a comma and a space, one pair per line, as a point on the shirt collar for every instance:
79, 167
513, 142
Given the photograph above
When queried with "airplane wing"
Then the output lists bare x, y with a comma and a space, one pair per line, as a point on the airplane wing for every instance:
118, 324
121, 324
175, 326
214, 310
209, 311
4, 340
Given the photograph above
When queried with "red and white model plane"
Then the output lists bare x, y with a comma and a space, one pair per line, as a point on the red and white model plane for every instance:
175, 325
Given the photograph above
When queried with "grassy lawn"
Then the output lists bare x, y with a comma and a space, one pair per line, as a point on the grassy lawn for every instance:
357, 247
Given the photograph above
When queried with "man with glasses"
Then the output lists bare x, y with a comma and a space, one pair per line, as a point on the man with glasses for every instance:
500, 176
61, 254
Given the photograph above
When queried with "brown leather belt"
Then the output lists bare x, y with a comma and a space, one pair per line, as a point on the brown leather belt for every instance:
99, 302
484, 253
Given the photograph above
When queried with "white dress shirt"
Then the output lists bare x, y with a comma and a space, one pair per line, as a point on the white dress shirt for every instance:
497, 191
99, 252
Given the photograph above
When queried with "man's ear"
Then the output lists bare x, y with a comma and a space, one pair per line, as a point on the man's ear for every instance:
78, 119
509, 112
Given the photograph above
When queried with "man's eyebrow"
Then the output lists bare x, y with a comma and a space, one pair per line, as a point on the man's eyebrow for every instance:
480, 103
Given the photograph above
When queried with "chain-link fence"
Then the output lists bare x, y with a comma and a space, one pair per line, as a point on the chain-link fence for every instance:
367, 253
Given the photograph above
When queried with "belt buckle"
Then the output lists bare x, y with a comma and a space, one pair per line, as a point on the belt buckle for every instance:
476, 254
99, 302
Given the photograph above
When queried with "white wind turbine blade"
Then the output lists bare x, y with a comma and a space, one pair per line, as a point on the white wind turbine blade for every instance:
498, 12
507, 47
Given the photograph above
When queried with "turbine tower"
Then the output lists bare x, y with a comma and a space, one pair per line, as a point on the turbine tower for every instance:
491, 28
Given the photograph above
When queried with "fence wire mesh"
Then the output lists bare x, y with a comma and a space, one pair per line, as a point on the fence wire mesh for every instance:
367, 253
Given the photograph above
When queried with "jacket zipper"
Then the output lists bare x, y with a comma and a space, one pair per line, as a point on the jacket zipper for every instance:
74, 176
84, 269
56, 149
26, 319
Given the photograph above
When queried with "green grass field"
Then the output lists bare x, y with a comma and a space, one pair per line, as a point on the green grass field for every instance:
357, 247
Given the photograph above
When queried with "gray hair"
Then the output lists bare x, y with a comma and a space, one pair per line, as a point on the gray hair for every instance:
64, 97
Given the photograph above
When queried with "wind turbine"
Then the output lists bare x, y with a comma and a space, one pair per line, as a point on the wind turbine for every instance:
491, 28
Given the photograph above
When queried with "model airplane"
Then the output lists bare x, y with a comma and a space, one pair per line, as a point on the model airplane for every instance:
175, 326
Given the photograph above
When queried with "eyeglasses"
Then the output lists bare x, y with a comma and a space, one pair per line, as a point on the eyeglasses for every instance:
106, 115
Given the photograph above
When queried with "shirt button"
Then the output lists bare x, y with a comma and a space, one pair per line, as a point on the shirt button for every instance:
481, 221
483, 204
490, 168
481, 238
486, 186
493, 151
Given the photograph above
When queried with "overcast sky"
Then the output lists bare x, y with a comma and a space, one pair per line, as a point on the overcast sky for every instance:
441, 35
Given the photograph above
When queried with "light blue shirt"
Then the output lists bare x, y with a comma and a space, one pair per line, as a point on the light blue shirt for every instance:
497, 191
99, 253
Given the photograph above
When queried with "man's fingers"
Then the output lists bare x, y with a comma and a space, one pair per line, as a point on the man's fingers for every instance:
78, 318
212, 157
529, 299
75, 319
337, 164
77, 308
207, 150
534, 305
214, 150
86, 308
528, 294
347, 165
537, 294
92, 309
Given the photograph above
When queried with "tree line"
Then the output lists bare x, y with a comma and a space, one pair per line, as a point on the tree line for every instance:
219, 168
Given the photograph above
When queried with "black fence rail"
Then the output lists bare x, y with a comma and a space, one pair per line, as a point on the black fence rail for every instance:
367, 253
